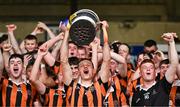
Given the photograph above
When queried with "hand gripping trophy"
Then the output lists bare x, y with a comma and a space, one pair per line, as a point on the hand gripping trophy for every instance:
83, 26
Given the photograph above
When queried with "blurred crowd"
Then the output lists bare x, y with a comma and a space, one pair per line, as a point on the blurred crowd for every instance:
59, 72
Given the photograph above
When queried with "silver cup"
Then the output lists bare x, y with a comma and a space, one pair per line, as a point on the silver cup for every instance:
83, 26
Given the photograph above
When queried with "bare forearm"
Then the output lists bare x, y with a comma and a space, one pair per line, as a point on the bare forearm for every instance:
49, 59
52, 41
173, 54
64, 48
105, 70
5, 59
22, 47
50, 33
14, 43
118, 57
95, 57
67, 73
170, 73
56, 50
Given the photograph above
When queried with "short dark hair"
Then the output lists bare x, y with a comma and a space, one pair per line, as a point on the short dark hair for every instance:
147, 61
149, 43
16, 56
165, 61
72, 42
114, 45
73, 61
30, 63
4, 37
30, 37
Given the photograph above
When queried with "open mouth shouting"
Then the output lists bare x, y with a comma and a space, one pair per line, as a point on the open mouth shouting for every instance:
16, 69
86, 71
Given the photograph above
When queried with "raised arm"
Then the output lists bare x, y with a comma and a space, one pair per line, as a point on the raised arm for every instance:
34, 73
52, 41
67, 73
170, 73
6, 54
22, 47
122, 66
117, 57
13, 40
55, 52
94, 46
43, 26
104, 73
50, 60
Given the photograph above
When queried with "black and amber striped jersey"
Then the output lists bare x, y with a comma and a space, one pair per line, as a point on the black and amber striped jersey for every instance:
23, 94
54, 97
91, 96
115, 96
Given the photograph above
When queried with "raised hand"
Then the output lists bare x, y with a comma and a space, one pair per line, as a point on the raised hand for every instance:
95, 42
11, 27
104, 27
62, 27
103, 23
40, 28
27, 58
37, 30
169, 37
42, 25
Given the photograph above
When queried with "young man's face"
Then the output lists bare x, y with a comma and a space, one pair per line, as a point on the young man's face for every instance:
148, 72
140, 58
75, 71
157, 58
123, 51
15, 67
30, 45
86, 70
81, 53
73, 50
151, 49
163, 69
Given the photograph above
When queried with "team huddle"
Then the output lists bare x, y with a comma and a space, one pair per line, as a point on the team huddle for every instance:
59, 72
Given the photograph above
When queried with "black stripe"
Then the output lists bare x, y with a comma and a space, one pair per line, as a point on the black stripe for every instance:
55, 98
85, 101
19, 96
76, 95
95, 100
8, 93
29, 93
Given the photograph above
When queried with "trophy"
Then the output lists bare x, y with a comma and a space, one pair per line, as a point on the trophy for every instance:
83, 26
